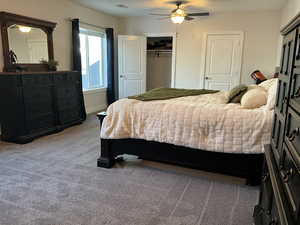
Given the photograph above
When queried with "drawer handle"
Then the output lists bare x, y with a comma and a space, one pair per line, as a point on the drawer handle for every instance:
265, 177
285, 100
295, 133
287, 175
297, 93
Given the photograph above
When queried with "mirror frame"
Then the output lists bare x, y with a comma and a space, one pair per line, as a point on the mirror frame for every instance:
8, 19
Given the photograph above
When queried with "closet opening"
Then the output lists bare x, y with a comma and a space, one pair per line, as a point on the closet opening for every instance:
160, 61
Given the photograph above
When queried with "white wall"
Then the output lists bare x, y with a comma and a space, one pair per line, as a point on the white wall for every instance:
260, 46
59, 11
289, 11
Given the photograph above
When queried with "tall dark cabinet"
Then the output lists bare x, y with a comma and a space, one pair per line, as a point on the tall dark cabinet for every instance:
279, 202
33, 104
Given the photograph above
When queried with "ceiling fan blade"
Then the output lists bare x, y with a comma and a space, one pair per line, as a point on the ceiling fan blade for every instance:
199, 14
164, 18
178, 2
188, 18
158, 14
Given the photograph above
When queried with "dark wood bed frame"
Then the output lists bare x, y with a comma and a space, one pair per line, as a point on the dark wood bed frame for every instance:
247, 166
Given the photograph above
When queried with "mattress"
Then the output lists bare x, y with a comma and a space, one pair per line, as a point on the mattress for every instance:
203, 122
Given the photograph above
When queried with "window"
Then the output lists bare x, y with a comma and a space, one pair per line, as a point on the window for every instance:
93, 59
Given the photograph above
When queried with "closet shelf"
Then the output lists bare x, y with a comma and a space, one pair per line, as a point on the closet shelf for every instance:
160, 51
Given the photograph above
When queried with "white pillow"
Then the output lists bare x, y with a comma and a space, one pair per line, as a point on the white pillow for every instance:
254, 98
268, 83
254, 86
272, 92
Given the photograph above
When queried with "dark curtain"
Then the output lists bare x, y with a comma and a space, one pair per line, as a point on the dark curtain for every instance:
110, 66
76, 45
77, 57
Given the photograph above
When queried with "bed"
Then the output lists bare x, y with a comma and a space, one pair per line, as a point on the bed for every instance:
201, 132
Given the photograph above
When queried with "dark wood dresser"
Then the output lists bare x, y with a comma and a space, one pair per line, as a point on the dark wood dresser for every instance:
33, 104
279, 202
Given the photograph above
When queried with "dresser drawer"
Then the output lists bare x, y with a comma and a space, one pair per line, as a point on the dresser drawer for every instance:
290, 175
262, 212
40, 122
267, 194
70, 115
282, 96
295, 89
274, 220
37, 94
277, 136
67, 97
292, 136
36, 80
37, 101
288, 50
68, 77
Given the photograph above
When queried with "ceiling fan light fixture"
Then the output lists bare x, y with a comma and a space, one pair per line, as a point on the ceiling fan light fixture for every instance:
177, 19
24, 29
178, 16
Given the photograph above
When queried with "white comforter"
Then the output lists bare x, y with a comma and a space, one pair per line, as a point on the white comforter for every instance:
202, 122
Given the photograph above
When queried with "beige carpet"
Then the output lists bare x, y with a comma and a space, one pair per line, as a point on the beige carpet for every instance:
54, 181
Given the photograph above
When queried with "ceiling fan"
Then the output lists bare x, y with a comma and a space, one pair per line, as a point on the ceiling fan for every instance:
178, 15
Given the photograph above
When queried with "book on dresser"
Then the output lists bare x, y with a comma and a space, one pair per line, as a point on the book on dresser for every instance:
279, 202
33, 104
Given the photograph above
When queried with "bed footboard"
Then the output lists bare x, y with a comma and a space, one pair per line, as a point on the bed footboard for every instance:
247, 166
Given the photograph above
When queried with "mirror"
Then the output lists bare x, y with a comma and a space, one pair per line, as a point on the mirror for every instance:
27, 44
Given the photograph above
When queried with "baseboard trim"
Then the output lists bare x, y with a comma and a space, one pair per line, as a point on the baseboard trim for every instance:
96, 108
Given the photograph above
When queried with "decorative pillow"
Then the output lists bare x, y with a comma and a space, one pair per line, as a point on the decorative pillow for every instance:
268, 83
235, 94
272, 93
254, 98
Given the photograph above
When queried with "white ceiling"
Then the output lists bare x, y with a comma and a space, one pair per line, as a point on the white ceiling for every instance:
144, 7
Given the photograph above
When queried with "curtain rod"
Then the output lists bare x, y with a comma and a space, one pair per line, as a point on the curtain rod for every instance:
93, 25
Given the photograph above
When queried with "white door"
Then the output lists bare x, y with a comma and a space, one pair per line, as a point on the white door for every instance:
223, 59
132, 65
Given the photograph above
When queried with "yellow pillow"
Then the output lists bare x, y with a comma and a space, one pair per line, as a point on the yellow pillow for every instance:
254, 98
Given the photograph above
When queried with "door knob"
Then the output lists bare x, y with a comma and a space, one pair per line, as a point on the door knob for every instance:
122, 76
207, 78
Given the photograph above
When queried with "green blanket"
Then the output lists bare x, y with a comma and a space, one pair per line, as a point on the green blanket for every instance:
168, 93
